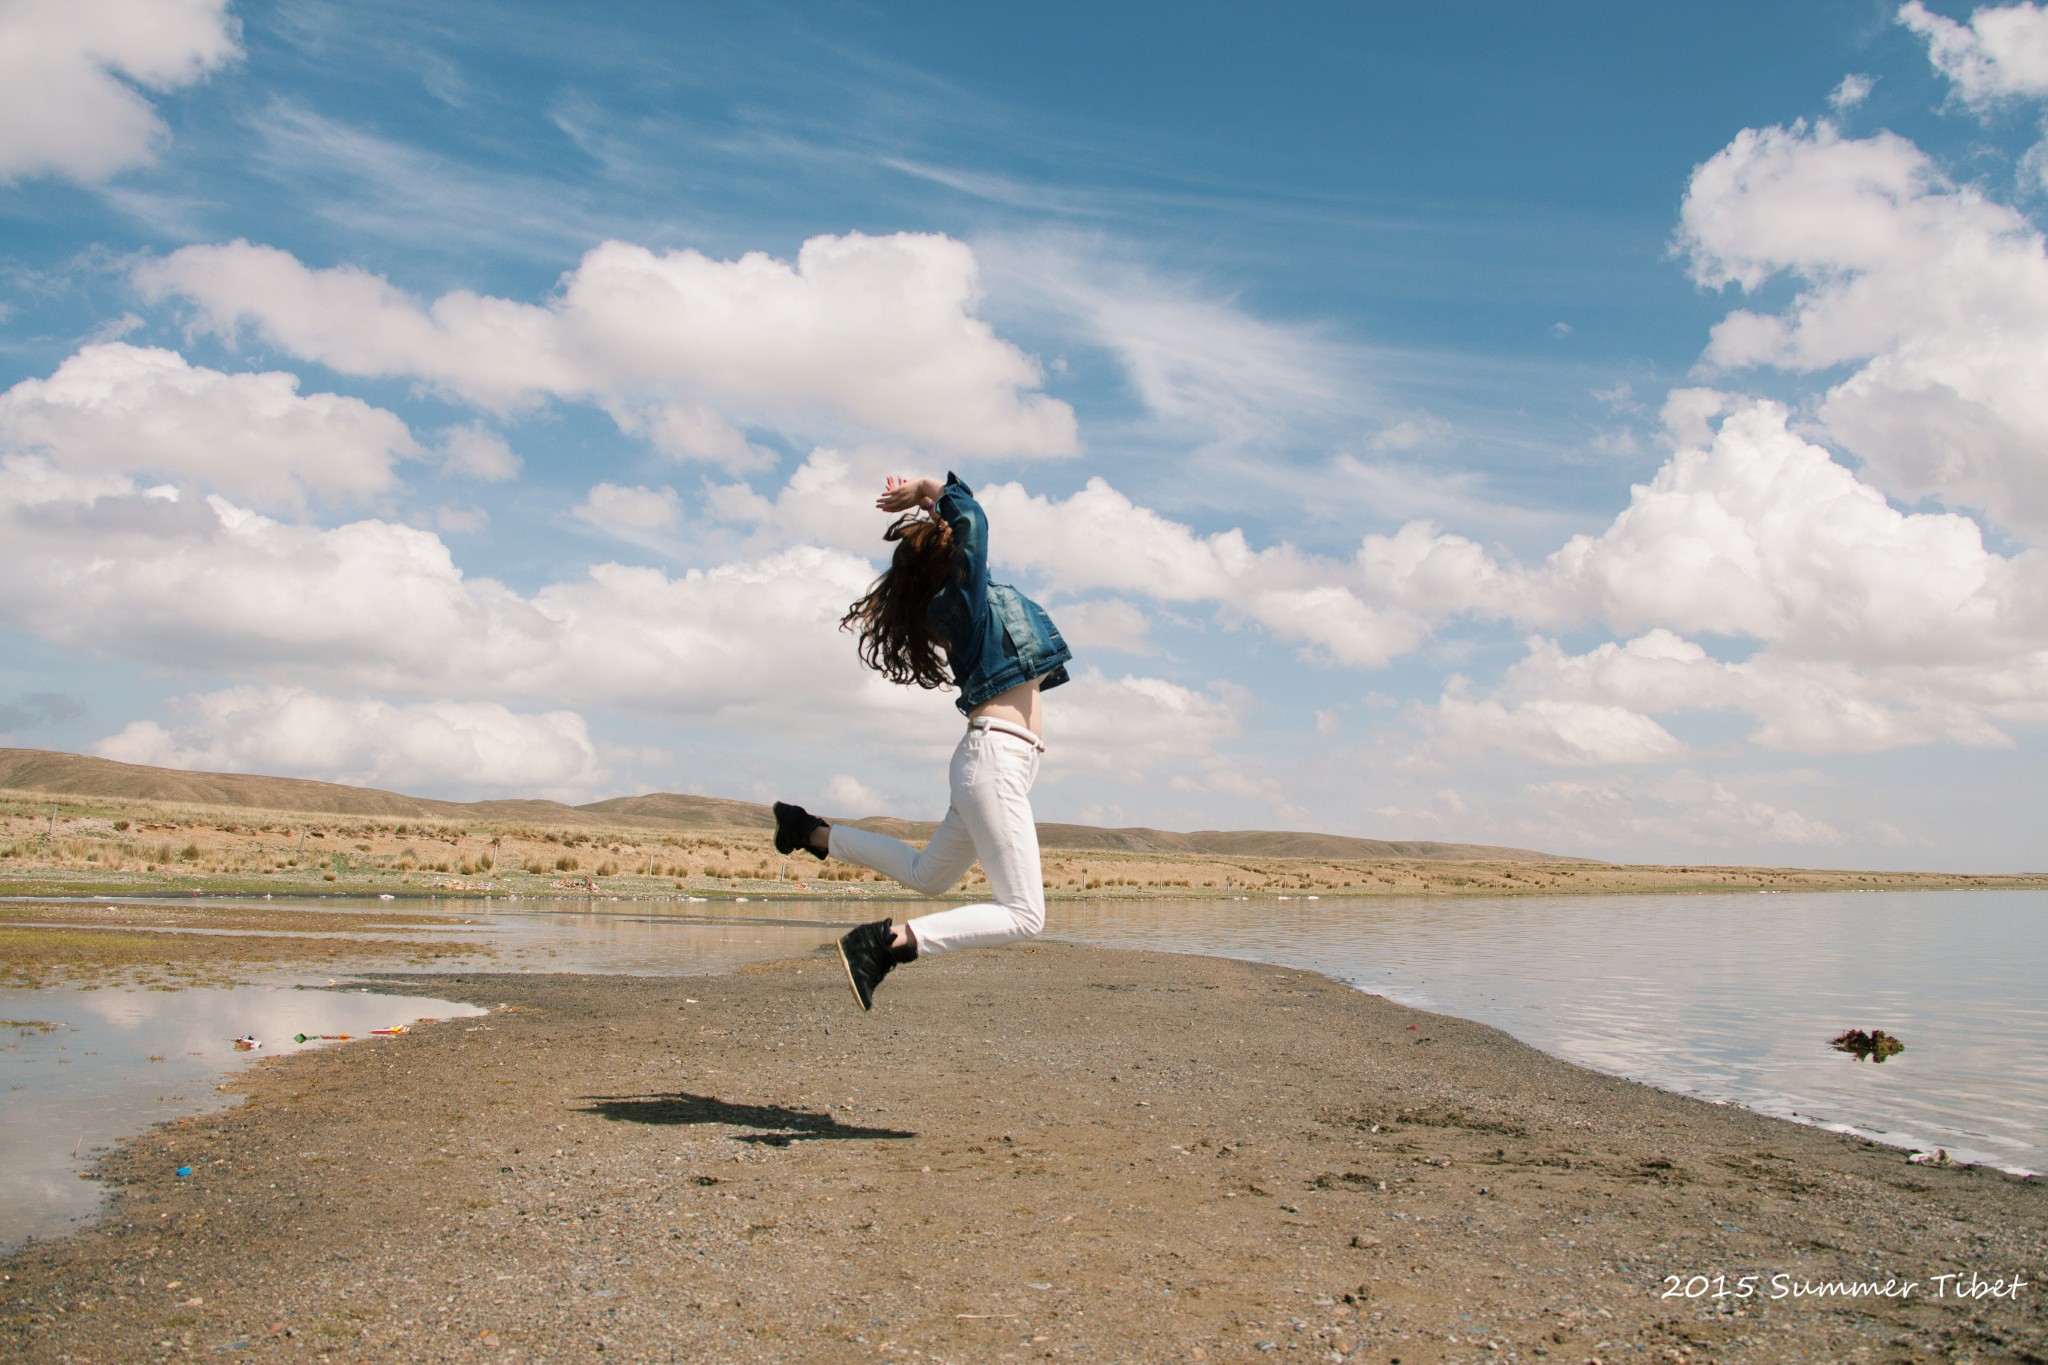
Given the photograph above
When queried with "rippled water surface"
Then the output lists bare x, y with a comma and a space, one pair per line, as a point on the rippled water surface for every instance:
1728, 997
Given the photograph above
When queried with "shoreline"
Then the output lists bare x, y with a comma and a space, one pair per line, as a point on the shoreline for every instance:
1809, 882
283, 942
1287, 1139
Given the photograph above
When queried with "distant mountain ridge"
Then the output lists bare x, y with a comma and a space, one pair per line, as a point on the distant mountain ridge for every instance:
63, 774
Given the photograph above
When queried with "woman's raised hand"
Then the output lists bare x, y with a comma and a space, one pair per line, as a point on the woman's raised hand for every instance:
903, 494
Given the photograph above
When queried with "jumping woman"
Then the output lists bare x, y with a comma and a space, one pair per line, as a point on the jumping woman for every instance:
935, 620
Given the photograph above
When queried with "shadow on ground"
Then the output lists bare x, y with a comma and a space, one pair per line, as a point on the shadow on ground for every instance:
773, 1124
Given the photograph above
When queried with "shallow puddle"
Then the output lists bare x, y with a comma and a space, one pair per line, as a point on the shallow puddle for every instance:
82, 1069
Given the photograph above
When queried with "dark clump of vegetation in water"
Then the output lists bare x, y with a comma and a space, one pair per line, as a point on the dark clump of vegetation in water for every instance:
1873, 1046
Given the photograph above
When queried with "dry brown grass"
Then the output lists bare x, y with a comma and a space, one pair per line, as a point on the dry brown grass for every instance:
146, 846
147, 843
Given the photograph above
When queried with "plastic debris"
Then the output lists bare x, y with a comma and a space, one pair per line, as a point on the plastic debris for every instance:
391, 1032
247, 1043
1938, 1157
184, 1171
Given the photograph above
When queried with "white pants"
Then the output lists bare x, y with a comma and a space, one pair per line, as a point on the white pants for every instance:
990, 818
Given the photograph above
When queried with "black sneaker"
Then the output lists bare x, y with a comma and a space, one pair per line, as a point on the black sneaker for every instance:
868, 959
793, 827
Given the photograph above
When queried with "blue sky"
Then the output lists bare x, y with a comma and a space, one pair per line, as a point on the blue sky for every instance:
1609, 429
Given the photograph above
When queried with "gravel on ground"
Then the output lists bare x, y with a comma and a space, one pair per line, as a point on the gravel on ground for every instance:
1037, 1152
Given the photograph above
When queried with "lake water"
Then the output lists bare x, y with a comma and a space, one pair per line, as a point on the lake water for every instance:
1728, 997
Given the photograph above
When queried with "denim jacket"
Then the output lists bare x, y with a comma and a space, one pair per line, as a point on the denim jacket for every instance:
996, 637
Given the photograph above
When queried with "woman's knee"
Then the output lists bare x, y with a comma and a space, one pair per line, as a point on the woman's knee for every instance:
1028, 915
931, 881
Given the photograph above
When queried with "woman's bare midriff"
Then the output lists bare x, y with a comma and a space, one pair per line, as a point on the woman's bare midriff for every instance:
1018, 706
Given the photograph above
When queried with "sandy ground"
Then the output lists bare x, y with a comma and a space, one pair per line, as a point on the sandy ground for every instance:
1028, 1153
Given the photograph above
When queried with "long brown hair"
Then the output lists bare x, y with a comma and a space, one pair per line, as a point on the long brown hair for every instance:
896, 639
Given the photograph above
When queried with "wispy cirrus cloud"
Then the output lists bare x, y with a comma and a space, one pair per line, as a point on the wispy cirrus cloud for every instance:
1200, 366
376, 186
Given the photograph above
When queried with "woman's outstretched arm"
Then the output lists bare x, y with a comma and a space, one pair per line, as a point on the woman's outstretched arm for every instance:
953, 502
904, 494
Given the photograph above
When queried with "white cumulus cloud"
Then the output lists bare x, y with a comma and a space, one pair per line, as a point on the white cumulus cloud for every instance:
1553, 731
1935, 296
1805, 706
845, 792
1863, 627
828, 500
1358, 613
1105, 623
1847, 625
70, 71
610, 507
475, 451
422, 748
1761, 534
872, 334
1683, 808
113, 407
2001, 53
1128, 726
371, 604
383, 609
1852, 91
